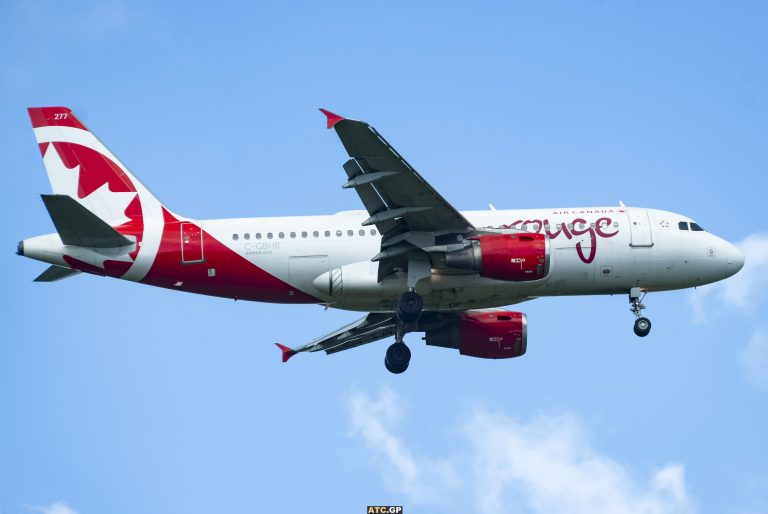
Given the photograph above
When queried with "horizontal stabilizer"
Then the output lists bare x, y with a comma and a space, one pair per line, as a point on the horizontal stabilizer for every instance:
77, 226
54, 273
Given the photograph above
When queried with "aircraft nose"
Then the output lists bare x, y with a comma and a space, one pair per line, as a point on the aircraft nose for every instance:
734, 259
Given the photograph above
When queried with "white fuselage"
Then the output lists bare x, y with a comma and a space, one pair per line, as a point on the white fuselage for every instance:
602, 250
327, 259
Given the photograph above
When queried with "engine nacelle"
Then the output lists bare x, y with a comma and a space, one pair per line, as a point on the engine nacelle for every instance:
496, 334
514, 257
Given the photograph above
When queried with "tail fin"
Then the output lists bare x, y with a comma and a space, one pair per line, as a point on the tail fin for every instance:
79, 165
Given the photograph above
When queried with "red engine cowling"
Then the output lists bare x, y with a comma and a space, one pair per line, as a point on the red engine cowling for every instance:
514, 257
497, 334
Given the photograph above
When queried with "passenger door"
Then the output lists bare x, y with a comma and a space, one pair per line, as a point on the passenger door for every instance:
639, 228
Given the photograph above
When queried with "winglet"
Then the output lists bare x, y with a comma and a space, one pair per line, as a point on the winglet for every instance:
287, 352
333, 119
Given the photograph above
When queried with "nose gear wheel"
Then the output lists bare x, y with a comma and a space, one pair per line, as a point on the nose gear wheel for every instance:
642, 324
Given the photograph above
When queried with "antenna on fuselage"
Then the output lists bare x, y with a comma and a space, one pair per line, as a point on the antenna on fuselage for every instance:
621, 204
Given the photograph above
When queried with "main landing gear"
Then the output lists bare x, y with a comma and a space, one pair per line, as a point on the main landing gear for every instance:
398, 354
642, 324
409, 307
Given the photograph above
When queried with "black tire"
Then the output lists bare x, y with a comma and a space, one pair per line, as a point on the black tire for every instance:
397, 358
642, 327
409, 307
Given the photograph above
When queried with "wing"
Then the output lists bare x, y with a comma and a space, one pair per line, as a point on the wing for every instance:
410, 215
371, 328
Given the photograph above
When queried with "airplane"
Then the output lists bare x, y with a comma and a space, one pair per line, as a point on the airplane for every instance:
409, 260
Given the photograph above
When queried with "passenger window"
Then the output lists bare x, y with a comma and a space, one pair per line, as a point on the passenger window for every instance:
696, 228
293, 235
258, 235
327, 233
281, 235
338, 233
616, 224
350, 233
316, 233
246, 236
362, 232
683, 225
303, 234
570, 226
234, 237
269, 235
373, 231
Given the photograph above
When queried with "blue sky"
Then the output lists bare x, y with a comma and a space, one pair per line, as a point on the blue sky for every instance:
120, 398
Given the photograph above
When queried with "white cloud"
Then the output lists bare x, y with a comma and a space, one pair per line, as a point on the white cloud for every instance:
754, 359
744, 293
54, 508
548, 464
743, 290
502, 464
422, 480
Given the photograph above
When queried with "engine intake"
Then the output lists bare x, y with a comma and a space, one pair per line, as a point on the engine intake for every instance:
514, 257
497, 334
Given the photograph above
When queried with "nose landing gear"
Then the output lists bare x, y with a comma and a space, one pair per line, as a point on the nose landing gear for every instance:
398, 355
642, 324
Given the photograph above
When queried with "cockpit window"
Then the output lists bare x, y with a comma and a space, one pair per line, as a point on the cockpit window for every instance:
696, 228
683, 225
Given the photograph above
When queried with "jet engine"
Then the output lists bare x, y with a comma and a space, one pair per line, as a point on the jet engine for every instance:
492, 334
514, 257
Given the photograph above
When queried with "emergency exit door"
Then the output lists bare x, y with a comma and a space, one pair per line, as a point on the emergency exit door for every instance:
191, 243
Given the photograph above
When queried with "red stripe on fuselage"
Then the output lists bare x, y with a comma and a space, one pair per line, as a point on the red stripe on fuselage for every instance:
114, 269
223, 272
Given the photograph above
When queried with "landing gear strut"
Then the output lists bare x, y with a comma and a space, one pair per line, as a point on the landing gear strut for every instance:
642, 324
398, 354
